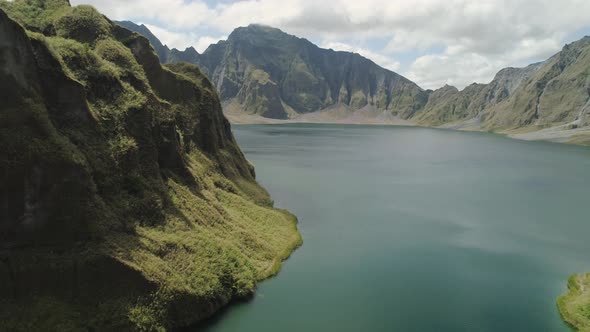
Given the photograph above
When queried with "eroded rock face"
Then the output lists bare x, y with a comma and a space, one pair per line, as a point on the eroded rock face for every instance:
161, 50
554, 93
449, 105
260, 95
34, 188
307, 77
17, 60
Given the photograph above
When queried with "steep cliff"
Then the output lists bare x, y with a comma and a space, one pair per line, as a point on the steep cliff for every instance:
277, 75
125, 203
558, 92
307, 78
450, 106
161, 50
547, 100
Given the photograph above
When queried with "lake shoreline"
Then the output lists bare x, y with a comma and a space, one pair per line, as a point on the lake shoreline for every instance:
578, 136
378, 207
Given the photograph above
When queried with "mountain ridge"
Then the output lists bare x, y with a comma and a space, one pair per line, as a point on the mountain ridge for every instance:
283, 75
251, 80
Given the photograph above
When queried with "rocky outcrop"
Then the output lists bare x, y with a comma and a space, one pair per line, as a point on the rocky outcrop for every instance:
125, 203
161, 50
448, 105
260, 95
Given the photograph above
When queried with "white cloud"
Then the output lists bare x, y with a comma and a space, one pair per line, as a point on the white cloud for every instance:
172, 13
380, 59
183, 40
483, 34
459, 67
204, 42
435, 70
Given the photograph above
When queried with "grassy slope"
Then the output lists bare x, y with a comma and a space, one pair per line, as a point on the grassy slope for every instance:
554, 95
448, 105
172, 224
574, 306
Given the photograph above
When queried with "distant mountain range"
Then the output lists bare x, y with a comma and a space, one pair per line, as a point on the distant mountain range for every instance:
263, 71
276, 75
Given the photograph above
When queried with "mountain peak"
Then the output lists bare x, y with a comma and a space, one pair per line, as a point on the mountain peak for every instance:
191, 50
255, 29
268, 72
262, 28
578, 44
260, 34
161, 49
448, 87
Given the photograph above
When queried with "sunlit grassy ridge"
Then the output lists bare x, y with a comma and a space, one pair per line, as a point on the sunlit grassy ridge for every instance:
144, 212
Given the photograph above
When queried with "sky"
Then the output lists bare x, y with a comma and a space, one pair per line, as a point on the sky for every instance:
432, 42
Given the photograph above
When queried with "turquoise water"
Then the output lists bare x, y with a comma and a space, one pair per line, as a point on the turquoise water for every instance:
413, 229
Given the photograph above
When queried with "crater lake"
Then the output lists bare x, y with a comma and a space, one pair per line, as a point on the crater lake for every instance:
416, 229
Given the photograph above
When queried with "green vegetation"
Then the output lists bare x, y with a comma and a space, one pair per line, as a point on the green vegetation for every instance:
358, 99
82, 23
551, 95
138, 208
36, 15
162, 51
261, 95
447, 105
80, 60
191, 72
120, 56
574, 306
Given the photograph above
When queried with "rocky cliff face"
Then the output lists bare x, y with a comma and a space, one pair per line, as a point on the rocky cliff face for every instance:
448, 105
551, 95
289, 73
125, 201
556, 93
277, 75
161, 50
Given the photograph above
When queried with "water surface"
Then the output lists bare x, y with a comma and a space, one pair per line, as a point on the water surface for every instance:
414, 229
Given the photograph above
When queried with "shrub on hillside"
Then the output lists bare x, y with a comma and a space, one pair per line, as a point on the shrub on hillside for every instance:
82, 23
